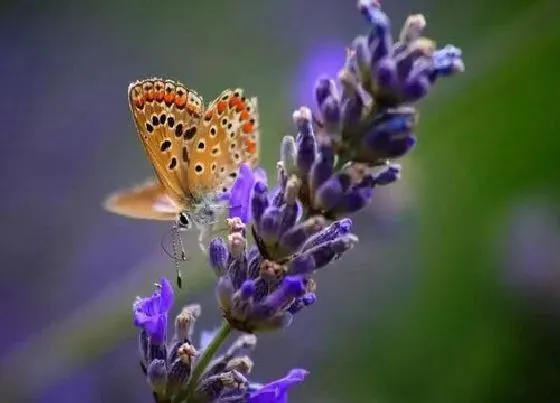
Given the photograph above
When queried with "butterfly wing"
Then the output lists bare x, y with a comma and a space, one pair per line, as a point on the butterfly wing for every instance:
167, 116
227, 137
148, 201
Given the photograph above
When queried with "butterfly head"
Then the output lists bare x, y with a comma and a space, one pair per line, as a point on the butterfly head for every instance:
184, 221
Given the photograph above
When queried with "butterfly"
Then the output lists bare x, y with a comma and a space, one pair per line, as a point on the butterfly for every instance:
195, 152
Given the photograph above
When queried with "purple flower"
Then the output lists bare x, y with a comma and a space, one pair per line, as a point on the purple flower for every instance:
369, 118
261, 288
150, 313
168, 366
390, 136
277, 391
308, 167
399, 72
240, 195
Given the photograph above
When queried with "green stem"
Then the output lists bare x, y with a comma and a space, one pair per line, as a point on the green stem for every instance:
203, 362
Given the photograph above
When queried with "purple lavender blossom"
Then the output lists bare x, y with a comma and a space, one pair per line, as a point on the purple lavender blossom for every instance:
277, 391
223, 380
240, 195
262, 288
308, 165
404, 71
369, 119
150, 313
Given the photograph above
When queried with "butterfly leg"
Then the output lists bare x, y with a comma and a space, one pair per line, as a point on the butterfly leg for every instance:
203, 235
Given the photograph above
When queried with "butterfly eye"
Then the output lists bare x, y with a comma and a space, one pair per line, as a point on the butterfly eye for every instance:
184, 220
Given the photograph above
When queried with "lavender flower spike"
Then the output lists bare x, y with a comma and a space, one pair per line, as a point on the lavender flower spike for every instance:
380, 80
224, 380
315, 184
263, 287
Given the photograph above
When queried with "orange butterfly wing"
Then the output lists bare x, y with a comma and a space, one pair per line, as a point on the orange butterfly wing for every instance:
167, 116
148, 201
227, 137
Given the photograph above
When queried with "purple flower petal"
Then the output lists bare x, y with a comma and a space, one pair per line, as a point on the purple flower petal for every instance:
166, 295
302, 302
150, 313
291, 287
242, 190
295, 237
277, 391
323, 167
352, 201
238, 271
400, 147
218, 256
329, 193
448, 60
248, 289
306, 145
391, 138
386, 74
327, 252
330, 110
303, 264
351, 109
224, 292
334, 231
324, 88
259, 201
388, 175
380, 39
269, 224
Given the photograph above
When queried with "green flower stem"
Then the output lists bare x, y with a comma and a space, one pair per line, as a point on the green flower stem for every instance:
203, 362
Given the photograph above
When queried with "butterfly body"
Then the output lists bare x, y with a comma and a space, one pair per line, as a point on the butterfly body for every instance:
195, 151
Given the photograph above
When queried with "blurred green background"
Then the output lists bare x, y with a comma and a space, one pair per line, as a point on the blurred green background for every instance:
440, 303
